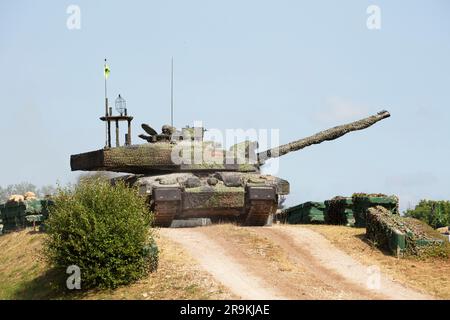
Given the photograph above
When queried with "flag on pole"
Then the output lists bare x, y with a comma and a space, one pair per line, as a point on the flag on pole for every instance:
106, 71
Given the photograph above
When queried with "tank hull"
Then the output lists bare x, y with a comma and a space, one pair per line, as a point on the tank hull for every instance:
246, 198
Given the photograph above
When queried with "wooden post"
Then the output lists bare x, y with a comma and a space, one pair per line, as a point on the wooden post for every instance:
106, 114
117, 119
117, 133
129, 132
109, 134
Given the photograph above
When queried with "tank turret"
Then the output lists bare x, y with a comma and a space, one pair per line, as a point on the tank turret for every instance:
186, 151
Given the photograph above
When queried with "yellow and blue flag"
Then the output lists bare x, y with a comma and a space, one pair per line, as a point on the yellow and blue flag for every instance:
106, 71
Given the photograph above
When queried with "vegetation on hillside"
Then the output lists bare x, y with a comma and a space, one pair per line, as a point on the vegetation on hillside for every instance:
25, 275
102, 229
434, 213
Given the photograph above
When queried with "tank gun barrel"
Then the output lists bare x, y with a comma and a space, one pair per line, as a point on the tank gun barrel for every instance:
326, 135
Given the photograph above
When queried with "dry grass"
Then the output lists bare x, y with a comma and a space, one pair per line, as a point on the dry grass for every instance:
24, 275
20, 261
431, 275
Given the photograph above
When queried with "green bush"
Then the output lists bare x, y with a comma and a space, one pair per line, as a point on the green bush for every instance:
434, 213
104, 230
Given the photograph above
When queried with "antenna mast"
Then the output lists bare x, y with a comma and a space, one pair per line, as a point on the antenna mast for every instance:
106, 104
171, 95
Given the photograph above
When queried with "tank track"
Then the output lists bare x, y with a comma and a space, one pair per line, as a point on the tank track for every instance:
259, 211
164, 212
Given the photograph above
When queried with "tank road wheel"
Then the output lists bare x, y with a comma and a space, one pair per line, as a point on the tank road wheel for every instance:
167, 203
261, 203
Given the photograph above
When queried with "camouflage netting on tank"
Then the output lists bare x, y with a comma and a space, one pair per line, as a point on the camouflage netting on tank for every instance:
163, 156
214, 197
139, 155
403, 236
252, 179
133, 159
326, 135
339, 211
308, 212
363, 201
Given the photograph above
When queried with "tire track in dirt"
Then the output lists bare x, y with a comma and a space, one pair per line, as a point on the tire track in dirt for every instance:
222, 266
319, 269
333, 266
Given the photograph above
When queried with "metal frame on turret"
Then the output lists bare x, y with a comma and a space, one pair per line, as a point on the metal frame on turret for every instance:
117, 119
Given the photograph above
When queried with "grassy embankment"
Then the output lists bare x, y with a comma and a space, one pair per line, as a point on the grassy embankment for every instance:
25, 275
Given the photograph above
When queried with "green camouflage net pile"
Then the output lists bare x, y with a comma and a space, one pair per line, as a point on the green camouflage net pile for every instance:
308, 212
364, 201
15, 215
339, 210
403, 236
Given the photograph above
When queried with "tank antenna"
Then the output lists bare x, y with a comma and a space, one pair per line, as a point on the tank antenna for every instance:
171, 94
106, 73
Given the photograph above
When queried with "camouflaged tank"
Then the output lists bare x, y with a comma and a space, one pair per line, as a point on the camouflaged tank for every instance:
184, 176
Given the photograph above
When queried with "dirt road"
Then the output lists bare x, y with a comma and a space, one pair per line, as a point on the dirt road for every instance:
284, 262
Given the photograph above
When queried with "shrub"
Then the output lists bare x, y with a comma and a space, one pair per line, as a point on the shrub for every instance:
104, 230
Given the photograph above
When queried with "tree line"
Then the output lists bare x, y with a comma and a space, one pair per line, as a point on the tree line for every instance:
434, 213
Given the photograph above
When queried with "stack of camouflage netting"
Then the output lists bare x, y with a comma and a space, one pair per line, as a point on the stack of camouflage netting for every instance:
339, 210
403, 236
364, 201
23, 213
308, 212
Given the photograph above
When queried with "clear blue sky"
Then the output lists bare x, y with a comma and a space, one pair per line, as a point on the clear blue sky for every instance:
293, 65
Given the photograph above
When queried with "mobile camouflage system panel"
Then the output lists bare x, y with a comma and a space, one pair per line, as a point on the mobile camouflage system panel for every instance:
21, 214
308, 212
339, 211
362, 202
402, 236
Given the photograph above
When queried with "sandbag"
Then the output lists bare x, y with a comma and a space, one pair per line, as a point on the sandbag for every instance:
29, 196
